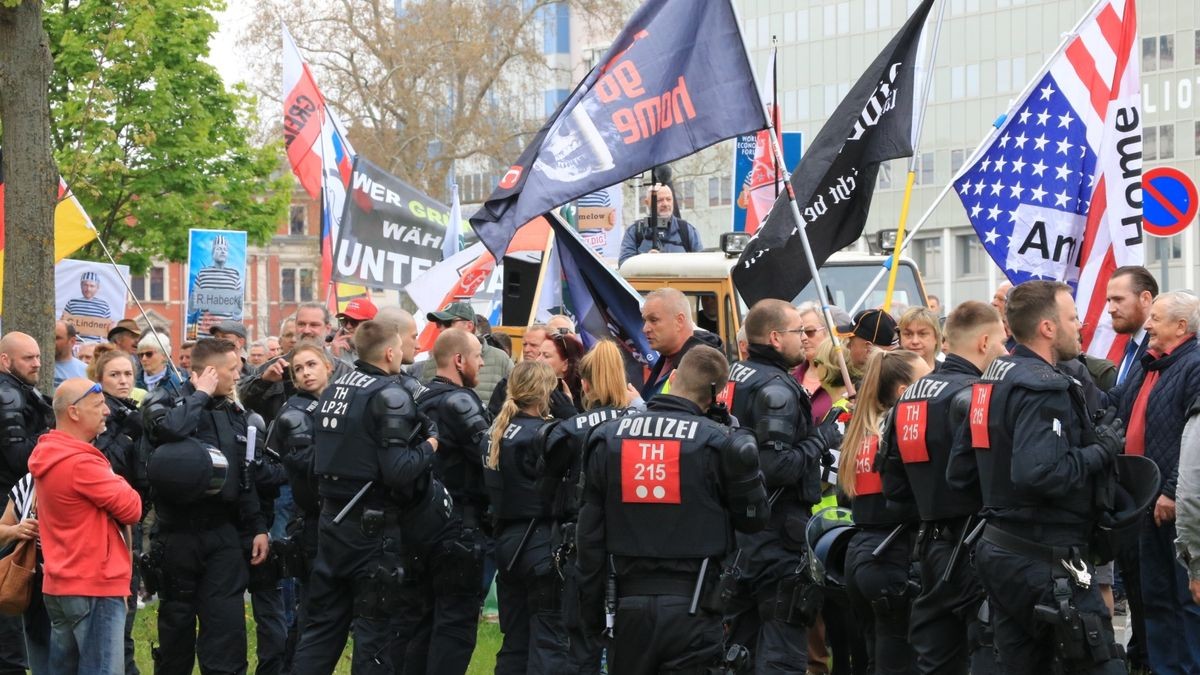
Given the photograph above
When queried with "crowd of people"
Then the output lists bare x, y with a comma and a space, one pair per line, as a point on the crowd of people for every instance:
909, 494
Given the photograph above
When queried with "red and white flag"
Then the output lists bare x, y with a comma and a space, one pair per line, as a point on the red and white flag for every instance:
764, 183
317, 148
1057, 193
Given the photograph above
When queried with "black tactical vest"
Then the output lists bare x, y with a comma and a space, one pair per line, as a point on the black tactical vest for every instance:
663, 494
746, 379
297, 437
345, 453
992, 419
924, 424
455, 461
515, 495
561, 470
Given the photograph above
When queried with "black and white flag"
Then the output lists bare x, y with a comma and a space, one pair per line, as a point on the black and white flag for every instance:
836, 177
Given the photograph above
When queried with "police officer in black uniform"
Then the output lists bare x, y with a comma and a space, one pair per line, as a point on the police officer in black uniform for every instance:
197, 553
372, 459
665, 491
528, 587
944, 630
766, 399
292, 436
559, 447
1045, 472
944, 627
879, 583
446, 585
25, 414
265, 583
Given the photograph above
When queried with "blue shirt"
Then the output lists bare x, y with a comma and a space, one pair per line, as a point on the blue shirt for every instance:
65, 370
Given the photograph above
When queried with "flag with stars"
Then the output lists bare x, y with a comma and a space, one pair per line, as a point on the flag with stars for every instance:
1057, 193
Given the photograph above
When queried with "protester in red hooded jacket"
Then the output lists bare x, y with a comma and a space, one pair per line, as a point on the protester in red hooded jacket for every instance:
82, 506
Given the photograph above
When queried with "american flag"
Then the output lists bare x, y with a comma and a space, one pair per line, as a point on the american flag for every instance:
1057, 192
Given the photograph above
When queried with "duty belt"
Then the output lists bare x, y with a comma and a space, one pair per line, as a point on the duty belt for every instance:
1032, 549
656, 585
202, 521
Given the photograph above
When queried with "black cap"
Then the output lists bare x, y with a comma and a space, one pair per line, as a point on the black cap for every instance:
873, 325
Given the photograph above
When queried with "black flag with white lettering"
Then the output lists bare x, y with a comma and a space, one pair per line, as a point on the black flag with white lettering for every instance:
836, 177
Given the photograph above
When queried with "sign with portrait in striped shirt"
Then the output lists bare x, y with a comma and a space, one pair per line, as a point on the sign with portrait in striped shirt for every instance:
90, 295
216, 270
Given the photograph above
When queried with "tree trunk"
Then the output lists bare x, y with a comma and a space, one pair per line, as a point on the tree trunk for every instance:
30, 176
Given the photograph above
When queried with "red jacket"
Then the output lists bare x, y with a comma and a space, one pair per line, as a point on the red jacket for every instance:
81, 505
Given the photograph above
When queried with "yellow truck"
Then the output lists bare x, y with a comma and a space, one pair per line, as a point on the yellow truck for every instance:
705, 278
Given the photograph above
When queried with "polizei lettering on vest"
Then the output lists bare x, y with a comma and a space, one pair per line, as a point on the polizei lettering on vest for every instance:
356, 379
924, 389
594, 418
740, 373
998, 369
657, 427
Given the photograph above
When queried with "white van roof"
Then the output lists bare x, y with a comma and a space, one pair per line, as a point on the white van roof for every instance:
716, 265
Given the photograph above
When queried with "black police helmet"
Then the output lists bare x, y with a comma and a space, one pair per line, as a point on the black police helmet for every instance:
186, 471
1138, 483
828, 536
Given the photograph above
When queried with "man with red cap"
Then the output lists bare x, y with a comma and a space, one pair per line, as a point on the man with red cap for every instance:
357, 311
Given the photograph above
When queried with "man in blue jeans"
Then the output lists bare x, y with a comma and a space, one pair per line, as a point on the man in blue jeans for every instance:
81, 507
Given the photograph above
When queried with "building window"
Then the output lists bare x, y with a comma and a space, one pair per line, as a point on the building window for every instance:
553, 98
1198, 123
1198, 47
287, 285
1159, 248
1149, 54
685, 194
970, 255
1149, 144
927, 254
557, 37
1166, 52
1166, 141
298, 219
1003, 75
957, 157
150, 287
925, 173
720, 191
306, 285
884, 178
475, 187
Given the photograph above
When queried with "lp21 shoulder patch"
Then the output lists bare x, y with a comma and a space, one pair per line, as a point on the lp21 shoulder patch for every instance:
650, 471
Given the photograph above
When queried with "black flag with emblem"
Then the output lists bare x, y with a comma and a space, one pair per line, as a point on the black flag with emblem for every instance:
836, 177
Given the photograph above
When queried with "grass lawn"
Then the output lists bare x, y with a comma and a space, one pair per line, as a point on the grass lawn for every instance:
145, 632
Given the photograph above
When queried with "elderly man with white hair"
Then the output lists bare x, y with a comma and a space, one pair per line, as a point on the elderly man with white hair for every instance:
154, 354
1154, 401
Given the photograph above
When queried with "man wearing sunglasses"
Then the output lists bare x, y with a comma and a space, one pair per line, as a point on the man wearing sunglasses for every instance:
357, 311
762, 395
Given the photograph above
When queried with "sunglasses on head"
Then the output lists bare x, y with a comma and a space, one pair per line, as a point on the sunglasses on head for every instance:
94, 389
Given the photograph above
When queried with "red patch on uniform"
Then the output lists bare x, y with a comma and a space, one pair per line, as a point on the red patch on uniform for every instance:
981, 399
867, 480
649, 471
726, 396
912, 417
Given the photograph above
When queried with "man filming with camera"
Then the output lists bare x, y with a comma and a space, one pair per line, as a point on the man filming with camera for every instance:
662, 231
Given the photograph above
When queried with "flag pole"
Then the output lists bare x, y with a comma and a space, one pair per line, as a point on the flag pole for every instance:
919, 124
775, 103
996, 125
541, 280
141, 310
822, 292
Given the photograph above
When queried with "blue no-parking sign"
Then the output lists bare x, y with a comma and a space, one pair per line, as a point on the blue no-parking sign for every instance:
1169, 201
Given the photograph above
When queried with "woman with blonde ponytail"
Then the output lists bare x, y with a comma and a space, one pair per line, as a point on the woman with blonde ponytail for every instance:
527, 584
877, 559
606, 395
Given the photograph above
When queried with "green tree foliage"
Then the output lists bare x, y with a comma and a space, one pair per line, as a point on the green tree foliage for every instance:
147, 134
